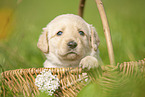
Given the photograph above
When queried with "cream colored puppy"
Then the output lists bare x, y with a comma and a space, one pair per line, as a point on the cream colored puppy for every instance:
69, 41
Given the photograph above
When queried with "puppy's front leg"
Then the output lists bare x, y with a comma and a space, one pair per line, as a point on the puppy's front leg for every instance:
89, 62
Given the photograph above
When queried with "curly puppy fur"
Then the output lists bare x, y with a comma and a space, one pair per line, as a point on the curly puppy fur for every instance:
69, 41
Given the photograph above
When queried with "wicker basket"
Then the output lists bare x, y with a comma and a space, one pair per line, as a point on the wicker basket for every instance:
21, 81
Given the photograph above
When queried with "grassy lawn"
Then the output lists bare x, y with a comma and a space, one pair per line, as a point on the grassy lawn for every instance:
21, 24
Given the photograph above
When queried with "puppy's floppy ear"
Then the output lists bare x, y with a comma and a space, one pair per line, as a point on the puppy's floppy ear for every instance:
95, 41
43, 41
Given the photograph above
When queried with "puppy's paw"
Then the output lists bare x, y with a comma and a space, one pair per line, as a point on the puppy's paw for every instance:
89, 62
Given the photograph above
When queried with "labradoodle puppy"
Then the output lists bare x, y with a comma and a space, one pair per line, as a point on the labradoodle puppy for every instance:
69, 41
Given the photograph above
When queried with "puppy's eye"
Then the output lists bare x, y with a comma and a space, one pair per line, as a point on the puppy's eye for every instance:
59, 33
81, 33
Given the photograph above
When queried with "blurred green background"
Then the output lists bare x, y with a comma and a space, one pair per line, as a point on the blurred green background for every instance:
21, 23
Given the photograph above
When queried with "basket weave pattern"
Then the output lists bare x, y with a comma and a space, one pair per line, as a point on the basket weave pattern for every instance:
71, 79
22, 81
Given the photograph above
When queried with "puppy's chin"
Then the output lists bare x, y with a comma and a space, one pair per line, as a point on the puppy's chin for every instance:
71, 56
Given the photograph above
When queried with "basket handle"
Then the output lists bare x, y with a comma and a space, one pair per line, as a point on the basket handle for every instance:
105, 27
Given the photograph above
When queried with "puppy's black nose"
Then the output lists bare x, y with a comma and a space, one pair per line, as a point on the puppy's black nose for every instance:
72, 44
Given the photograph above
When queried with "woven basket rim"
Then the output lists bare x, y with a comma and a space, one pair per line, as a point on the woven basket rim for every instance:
72, 69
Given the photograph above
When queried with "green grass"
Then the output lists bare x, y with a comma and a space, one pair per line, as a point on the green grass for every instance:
18, 49
24, 23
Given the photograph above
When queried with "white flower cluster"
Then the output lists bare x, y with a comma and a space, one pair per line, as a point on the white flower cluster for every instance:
46, 82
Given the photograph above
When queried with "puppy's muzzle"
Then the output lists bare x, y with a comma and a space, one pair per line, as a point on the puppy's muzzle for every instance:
72, 44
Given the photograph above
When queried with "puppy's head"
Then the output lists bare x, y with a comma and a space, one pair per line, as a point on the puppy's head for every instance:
69, 38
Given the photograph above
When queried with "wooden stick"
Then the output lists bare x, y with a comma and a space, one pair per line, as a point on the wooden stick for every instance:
106, 31
81, 8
